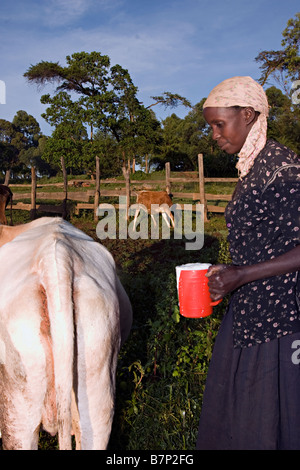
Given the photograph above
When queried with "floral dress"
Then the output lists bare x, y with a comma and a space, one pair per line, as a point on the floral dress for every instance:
263, 221
251, 399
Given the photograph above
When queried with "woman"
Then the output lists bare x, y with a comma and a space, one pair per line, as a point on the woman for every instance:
252, 393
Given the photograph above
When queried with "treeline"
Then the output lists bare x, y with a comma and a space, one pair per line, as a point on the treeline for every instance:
95, 111
173, 140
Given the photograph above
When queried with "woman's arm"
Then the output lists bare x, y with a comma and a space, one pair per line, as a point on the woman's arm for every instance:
226, 278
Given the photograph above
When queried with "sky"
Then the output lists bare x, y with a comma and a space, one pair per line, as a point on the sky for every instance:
180, 46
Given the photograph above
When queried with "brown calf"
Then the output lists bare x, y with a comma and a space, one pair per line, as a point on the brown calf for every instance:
162, 201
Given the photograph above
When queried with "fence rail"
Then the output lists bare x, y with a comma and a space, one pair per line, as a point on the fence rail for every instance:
90, 198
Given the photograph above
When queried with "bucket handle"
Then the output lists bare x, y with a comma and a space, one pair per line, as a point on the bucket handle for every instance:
213, 304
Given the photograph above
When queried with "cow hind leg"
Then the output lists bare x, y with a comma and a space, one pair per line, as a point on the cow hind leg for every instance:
97, 342
19, 428
18, 438
22, 376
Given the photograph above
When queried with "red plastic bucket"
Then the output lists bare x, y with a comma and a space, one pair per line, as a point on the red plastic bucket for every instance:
193, 292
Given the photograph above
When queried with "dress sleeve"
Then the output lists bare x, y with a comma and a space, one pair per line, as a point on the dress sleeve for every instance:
282, 199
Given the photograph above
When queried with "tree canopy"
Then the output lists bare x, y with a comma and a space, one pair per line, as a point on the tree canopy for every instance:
102, 99
21, 145
283, 65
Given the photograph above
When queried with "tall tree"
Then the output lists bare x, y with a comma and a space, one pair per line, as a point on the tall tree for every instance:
102, 98
12, 143
22, 145
284, 119
283, 65
106, 97
67, 141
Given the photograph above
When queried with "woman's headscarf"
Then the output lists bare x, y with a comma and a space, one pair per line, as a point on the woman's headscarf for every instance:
244, 92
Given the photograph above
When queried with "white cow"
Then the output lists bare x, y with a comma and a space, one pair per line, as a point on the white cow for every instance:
63, 311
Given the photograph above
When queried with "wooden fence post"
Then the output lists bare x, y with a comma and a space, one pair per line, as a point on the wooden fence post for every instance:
97, 189
127, 182
201, 185
65, 176
168, 172
33, 194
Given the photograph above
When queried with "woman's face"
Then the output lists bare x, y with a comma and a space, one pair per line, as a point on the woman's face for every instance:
230, 126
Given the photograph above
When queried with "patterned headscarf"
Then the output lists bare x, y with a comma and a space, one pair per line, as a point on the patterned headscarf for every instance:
244, 92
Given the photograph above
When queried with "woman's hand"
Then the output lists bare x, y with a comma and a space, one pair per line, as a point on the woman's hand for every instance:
225, 278
222, 279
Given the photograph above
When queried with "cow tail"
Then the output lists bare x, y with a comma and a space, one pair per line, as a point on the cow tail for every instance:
58, 286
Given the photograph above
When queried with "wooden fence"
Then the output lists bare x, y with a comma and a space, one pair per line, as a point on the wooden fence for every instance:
90, 198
